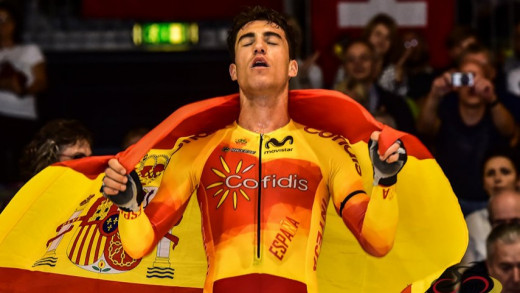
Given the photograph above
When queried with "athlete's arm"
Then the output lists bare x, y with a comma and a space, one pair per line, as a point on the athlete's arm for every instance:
372, 219
135, 229
140, 230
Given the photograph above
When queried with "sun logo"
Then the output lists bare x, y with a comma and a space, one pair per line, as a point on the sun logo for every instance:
226, 185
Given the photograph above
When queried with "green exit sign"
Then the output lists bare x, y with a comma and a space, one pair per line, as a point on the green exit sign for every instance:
166, 33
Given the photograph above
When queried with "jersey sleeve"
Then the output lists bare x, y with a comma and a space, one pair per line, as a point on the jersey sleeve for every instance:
371, 216
141, 231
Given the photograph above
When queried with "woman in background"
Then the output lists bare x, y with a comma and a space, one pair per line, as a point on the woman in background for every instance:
500, 172
22, 77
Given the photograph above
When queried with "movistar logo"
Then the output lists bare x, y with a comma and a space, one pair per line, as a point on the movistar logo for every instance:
275, 142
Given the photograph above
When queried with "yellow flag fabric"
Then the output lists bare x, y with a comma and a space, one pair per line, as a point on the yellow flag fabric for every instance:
60, 234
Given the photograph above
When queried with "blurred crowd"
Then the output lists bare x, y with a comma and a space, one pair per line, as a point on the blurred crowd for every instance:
467, 114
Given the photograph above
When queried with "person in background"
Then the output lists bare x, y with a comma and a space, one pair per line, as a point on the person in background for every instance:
57, 141
360, 84
464, 121
500, 173
22, 78
503, 256
482, 55
411, 76
381, 33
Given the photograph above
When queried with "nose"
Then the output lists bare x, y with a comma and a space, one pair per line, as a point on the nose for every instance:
260, 47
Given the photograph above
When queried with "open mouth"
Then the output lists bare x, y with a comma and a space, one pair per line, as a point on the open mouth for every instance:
259, 62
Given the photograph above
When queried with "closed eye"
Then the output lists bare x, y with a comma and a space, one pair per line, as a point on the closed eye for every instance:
246, 39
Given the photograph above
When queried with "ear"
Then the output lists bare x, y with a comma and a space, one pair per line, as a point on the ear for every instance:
233, 71
293, 68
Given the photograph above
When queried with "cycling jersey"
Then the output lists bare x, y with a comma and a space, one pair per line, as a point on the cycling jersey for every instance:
263, 199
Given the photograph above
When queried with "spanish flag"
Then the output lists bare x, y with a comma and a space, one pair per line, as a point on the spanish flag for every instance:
60, 234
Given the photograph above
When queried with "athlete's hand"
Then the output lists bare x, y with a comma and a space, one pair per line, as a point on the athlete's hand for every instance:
386, 165
115, 178
122, 189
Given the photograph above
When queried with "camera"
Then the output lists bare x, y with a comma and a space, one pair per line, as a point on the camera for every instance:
462, 79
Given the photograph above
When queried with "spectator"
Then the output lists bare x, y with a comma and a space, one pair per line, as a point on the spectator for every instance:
465, 122
411, 76
483, 55
22, 77
501, 178
503, 260
360, 84
57, 141
381, 32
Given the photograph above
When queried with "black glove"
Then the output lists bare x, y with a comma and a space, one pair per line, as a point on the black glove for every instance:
130, 199
386, 173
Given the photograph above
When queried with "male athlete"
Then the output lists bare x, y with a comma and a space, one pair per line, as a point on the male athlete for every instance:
262, 182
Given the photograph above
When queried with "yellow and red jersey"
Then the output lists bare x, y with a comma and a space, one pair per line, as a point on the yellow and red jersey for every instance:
263, 199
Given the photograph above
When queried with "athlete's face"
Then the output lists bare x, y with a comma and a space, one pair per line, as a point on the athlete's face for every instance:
262, 62
499, 175
504, 266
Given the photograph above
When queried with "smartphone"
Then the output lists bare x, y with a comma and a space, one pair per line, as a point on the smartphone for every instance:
462, 79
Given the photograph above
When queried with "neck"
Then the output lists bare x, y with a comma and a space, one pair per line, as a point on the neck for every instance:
471, 115
263, 113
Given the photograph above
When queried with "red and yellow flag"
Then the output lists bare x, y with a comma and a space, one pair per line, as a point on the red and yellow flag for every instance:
60, 234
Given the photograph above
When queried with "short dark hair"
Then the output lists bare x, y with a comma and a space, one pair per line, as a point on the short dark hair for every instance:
260, 13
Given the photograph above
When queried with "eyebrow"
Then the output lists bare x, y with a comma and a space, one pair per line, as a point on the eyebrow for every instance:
252, 35
272, 34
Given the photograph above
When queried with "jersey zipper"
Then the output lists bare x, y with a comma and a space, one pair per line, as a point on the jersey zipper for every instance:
259, 208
